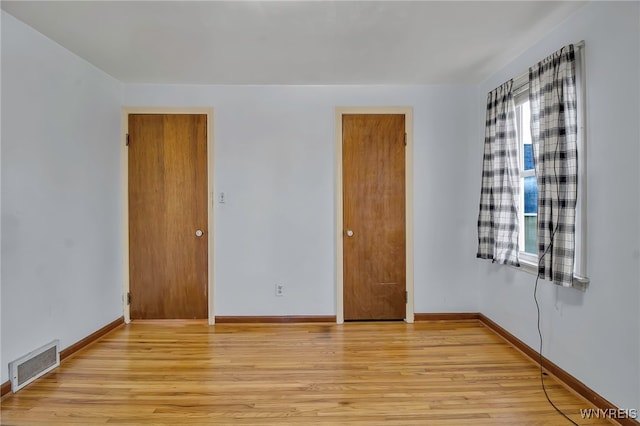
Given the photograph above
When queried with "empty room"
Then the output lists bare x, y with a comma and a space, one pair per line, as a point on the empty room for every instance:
320, 212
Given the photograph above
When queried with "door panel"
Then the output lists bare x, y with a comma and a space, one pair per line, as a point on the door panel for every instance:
167, 205
373, 168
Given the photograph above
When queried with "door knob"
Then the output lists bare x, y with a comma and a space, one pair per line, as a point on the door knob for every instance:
349, 233
199, 233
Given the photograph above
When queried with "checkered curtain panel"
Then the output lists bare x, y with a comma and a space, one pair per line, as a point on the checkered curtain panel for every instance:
552, 96
498, 218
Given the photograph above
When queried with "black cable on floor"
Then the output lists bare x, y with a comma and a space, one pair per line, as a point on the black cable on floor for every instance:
535, 298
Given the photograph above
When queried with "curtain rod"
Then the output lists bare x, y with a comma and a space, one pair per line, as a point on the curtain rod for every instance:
523, 79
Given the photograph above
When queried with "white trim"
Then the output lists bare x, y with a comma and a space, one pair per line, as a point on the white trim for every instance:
124, 201
125, 197
581, 240
408, 113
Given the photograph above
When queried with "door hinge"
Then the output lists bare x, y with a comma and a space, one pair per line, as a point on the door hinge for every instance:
406, 297
128, 298
127, 143
405, 139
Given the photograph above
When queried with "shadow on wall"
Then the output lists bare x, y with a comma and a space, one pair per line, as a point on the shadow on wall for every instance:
513, 277
569, 296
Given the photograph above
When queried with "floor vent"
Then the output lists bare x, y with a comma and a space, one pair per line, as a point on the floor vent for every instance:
26, 369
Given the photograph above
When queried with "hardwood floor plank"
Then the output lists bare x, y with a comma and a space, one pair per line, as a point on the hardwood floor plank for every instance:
186, 372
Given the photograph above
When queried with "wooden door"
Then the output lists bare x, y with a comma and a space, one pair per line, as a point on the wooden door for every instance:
167, 207
373, 170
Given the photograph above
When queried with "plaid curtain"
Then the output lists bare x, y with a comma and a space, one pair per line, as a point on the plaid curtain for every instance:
552, 96
498, 218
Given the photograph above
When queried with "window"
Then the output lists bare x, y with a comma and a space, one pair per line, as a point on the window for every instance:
532, 207
528, 186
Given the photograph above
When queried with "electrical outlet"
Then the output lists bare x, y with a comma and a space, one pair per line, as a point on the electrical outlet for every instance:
279, 290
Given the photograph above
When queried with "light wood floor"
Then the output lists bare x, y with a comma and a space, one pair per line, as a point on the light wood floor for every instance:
185, 372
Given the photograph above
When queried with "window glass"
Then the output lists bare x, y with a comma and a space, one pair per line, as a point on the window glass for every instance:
528, 184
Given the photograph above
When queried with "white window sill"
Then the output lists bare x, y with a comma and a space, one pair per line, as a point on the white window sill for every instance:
529, 264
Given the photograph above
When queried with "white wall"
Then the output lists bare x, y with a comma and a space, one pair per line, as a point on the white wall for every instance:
61, 238
595, 336
274, 160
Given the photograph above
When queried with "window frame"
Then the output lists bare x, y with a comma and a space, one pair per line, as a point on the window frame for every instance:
529, 259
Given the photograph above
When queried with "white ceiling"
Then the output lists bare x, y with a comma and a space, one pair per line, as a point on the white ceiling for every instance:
295, 42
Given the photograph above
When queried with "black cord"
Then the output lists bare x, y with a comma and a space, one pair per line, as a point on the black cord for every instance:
535, 298
535, 291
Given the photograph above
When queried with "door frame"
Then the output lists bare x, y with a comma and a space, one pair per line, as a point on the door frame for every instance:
124, 191
408, 157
